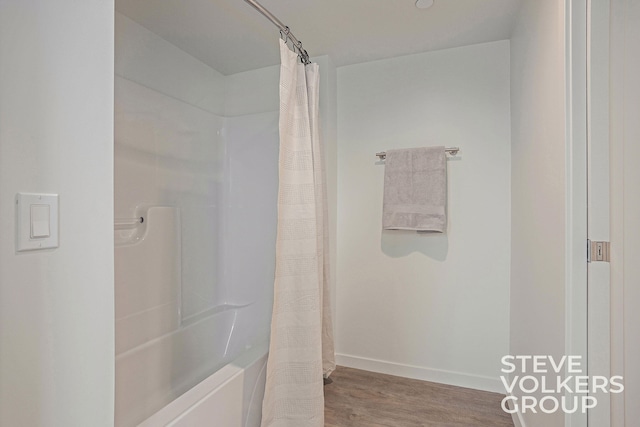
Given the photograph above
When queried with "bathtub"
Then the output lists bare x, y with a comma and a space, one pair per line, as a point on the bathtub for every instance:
162, 379
231, 397
205, 369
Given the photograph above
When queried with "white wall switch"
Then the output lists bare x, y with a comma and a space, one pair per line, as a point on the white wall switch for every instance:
37, 221
40, 221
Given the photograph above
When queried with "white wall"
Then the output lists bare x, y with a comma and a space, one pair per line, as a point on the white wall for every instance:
625, 204
434, 307
56, 306
538, 186
145, 58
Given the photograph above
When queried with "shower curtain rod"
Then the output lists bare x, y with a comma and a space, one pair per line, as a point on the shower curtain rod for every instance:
284, 30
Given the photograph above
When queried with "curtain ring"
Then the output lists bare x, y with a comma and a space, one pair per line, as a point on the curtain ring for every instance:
284, 34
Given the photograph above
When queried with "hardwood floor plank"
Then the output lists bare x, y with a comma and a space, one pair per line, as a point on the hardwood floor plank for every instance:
366, 399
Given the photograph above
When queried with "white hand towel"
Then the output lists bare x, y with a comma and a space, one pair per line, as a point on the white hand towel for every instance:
415, 190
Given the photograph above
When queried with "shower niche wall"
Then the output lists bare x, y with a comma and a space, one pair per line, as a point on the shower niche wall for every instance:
194, 278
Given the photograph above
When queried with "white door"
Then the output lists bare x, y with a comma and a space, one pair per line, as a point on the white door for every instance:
598, 309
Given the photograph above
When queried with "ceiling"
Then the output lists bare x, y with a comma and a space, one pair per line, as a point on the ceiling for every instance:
231, 36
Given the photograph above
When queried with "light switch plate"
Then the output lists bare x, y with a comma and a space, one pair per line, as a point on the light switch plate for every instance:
32, 220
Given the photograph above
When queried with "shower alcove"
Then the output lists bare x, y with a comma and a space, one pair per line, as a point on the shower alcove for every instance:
196, 157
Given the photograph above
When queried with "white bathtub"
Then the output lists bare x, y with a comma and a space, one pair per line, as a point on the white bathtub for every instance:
203, 370
164, 377
231, 397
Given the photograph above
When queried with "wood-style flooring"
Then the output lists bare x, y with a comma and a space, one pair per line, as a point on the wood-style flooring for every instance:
365, 399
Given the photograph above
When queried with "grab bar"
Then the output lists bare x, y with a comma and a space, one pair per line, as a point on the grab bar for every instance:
120, 223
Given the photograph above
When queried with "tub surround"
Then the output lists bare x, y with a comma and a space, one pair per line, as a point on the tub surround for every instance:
200, 150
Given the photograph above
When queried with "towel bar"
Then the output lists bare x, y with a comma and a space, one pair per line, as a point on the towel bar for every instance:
451, 150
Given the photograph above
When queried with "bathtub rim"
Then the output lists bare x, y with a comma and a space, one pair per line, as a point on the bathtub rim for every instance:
207, 387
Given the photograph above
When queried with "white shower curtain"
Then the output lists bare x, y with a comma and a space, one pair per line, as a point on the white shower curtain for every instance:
301, 348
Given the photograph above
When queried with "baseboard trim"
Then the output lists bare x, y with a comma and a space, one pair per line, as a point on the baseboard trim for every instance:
458, 379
